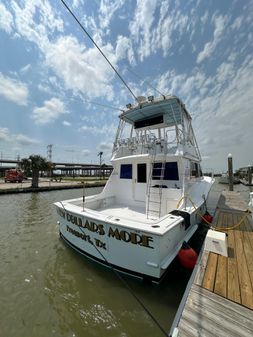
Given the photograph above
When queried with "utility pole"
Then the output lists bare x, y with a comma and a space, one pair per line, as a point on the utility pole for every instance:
49, 158
49, 152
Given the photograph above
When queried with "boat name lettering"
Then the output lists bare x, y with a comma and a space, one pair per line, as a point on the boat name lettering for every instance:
89, 225
94, 227
134, 238
86, 238
137, 239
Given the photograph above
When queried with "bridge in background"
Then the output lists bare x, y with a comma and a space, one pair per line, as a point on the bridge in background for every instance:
63, 168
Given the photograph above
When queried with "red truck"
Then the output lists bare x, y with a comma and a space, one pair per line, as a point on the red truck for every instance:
13, 176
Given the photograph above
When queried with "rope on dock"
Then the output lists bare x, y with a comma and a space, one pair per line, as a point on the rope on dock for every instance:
247, 211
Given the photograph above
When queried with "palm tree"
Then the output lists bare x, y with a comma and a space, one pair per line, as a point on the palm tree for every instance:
34, 164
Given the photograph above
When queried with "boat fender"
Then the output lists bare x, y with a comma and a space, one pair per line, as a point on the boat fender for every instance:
187, 256
208, 217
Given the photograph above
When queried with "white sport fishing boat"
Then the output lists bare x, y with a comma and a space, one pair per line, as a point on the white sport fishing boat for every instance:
152, 201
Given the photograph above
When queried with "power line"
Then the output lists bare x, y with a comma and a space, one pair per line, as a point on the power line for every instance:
89, 36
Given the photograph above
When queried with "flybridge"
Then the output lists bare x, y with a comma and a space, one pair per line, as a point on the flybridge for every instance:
168, 111
161, 125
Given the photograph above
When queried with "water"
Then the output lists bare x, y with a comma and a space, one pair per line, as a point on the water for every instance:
47, 289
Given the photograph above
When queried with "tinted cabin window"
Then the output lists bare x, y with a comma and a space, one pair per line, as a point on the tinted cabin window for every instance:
148, 122
170, 171
126, 171
141, 173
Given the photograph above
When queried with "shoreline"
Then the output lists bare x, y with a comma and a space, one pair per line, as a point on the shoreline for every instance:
50, 186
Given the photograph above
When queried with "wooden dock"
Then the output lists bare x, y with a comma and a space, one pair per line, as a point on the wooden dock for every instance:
219, 298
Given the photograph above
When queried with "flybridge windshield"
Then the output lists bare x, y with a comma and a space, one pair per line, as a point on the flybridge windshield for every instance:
148, 122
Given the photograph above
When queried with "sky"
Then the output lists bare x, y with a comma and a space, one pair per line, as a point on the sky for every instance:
52, 78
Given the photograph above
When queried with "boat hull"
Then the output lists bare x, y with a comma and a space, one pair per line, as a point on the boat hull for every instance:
140, 253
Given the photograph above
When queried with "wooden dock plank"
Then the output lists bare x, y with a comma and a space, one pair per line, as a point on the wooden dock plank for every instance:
207, 314
220, 302
244, 277
220, 284
223, 306
233, 287
210, 273
201, 268
248, 251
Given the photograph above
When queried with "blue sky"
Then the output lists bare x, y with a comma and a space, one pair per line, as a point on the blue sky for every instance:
200, 51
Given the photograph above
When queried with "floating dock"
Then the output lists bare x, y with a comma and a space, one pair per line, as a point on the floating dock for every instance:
218, 300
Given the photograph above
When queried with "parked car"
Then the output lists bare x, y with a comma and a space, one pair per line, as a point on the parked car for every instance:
14, 175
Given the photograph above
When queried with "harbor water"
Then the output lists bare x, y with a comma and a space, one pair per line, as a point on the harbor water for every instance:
47, 289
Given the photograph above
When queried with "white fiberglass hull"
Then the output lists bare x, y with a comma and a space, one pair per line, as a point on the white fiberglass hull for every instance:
141, 253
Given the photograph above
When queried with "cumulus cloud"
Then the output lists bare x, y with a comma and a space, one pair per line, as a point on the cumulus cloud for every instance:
124, 47
49, 112
141, 26
107, 10
81, 69
6, 19
13, 90
219, 26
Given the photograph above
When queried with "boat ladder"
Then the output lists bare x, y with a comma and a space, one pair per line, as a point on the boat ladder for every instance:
155, 190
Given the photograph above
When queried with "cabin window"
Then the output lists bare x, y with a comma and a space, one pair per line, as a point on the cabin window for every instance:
148, 122
170, 171
141, 173
126, 171
195, 170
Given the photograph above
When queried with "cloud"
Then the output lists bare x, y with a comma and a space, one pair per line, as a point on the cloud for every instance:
49, 112
25, 68
124, 47
81, 69
104, 146
38, 30
105, 129
86, 152
13, 90
66, 123
24, 140
16, 139
237, 22
6, 19
141, 26
209, 48
4, 134
77, 3
107, 10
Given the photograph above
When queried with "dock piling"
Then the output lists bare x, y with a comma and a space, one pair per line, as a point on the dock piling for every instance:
249, 175
230, 172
